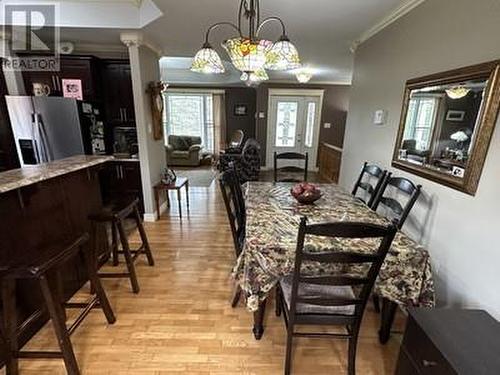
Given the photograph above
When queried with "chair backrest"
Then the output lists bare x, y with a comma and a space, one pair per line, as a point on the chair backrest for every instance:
373, 171
236, 139
402, 185
369, 264
290, 169
235, 206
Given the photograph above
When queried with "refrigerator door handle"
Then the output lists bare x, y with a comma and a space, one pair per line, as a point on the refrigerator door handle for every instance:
35, 138
46, 147
125, 114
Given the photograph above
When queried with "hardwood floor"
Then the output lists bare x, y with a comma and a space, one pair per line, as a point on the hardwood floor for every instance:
182, 321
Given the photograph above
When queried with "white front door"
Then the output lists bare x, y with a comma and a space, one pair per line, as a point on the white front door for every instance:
293, 126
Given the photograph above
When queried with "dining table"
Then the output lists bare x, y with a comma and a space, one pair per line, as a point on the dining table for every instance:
272, 222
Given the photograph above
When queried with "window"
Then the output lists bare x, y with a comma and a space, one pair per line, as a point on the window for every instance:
286, 124
311, 117
420, 121
190, 114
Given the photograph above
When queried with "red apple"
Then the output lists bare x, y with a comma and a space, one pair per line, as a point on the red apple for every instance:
297, 190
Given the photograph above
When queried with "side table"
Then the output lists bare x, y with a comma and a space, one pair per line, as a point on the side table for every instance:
176, 185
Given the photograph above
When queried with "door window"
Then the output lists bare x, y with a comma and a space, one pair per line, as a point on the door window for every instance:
310, 121
286, 125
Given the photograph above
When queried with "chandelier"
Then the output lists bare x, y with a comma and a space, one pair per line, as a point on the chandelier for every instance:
251, 55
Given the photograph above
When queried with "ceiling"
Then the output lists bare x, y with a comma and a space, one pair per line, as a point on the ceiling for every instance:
322, 30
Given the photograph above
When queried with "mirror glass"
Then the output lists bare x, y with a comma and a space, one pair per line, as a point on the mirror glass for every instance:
441, 125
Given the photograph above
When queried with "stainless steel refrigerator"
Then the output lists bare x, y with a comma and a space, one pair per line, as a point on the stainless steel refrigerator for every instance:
48, 128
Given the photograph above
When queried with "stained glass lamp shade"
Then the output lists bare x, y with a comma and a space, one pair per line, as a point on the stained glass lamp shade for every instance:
207, 61
282, 55
246, 55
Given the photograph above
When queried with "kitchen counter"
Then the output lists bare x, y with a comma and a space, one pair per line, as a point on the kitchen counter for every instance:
42, 207
17, 178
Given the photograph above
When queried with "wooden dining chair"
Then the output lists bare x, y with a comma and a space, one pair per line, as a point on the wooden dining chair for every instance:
235, 207
335, 299
400, 211
374, 171
290, 168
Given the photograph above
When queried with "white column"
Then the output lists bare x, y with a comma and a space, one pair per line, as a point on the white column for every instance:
145, 68
13, 78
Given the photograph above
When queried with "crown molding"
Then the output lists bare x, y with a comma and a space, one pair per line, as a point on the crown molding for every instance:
136, 3
390, 18
102, 48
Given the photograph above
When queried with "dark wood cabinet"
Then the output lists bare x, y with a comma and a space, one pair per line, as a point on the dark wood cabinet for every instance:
84, 68
122, 179
118, 94
330, 158
449, 341
8, 153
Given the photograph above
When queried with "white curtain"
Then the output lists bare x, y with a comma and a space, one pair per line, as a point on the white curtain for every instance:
219, 107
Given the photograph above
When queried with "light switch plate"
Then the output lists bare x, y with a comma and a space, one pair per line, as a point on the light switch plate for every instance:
262, 114
327, 125
380, 117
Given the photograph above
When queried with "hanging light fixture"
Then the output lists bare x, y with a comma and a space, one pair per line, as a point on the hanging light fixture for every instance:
457, 92
303, 75
207, 61
249, 54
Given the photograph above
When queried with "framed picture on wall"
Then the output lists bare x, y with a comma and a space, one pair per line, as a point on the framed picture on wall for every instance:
240, 110
457, 116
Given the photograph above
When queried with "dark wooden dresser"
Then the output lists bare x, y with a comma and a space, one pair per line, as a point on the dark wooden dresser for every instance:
450, 341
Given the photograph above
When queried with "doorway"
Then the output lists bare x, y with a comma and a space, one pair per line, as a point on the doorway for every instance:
294, 123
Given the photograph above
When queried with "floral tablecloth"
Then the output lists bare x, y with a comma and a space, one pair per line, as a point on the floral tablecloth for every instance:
271, 231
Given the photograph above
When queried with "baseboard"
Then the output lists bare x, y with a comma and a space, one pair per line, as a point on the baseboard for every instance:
152, 217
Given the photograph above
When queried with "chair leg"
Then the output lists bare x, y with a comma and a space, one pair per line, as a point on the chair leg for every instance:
289, 351
59, 324
376, 303
10, 326
114, 243
144, 237
96, 285
128, 257
278, 301
236, 296
353, 342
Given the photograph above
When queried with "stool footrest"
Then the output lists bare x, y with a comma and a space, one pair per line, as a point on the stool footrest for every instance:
117, 275
79, 305
39, 354
87, 309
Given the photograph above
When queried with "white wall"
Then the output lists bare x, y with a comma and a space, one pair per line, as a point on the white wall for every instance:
459, 230
145, 68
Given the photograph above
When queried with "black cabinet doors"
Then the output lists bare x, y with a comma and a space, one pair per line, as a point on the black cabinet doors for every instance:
118, 95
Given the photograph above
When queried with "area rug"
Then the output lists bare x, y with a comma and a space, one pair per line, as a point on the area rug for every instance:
202, 176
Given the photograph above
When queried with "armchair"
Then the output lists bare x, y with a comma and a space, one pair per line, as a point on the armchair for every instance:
247, 163
183, 150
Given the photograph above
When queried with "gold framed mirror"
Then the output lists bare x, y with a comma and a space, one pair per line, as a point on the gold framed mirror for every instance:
447, 122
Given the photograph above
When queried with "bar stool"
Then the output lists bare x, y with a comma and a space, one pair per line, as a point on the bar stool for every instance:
42, 270
115, 214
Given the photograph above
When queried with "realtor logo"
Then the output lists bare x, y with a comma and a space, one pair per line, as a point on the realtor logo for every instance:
34, 38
